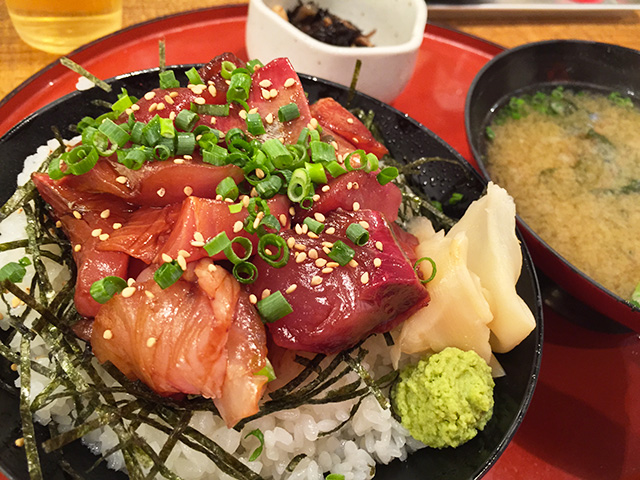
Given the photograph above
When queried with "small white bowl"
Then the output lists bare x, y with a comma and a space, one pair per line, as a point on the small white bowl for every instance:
386, 67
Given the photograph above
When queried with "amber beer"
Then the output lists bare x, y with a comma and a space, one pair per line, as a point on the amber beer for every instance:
59, 26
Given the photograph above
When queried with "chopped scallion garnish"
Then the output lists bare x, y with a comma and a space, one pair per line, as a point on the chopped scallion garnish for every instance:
15, 271
274, 307
433, 268
314, 225
217, 244
258, 434
386, 175
168, 79
357, 234
341, 253
193, 76
288, 112
168, 274
103, 290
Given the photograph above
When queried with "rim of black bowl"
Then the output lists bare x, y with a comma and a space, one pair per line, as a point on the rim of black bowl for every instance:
473, 139
528, 267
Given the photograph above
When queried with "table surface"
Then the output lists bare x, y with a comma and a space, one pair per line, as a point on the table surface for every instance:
18, 62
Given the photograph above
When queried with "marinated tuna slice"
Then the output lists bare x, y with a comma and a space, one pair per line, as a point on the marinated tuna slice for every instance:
210, 72
155, 183
330, 114
335, 306
201, 219
87, 220
143, 233
199, 336
274, 86
356, 187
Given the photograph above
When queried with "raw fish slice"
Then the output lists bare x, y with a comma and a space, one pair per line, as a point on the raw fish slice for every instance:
195, 337
350, 302
330, 114
360, 187
143, 233
495, 256
83, 221
210, 217
447, 321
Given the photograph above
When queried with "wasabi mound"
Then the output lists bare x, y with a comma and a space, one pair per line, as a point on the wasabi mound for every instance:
446, 399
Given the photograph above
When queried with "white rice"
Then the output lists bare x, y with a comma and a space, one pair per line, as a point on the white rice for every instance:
371, 436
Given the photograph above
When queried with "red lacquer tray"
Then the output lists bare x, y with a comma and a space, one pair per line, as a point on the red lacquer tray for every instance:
584, 420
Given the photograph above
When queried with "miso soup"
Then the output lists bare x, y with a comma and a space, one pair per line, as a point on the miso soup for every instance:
571, 160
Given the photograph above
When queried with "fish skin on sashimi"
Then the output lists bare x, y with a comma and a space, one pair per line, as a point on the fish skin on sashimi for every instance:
342, 309
195, 337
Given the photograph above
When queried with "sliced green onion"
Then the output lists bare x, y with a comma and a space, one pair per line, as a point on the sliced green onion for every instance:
115, 133
334, 476
133, 158
167, 130
151, 132
81, 159
103, 290
455, 198
186, 120
314, 225
193, 76
300, 155
236, 207
168, 274
288, 112
136, 132
372, 163
217, 244
254, 124
54, 170
84, 123
168, 80
635, 297
357, 234
215, 155
433, 268
221, 110
122, 104
239, 87
317, 173
267, 371
386, 175
253, 65
15, 271
322, 152
258, 434
273, 307
362, 156
341, 253
245, 244
277, 153
268, 187
300, 185
245, 272
226, 69
268, 222
335, 169
227, 188
162, 152
185, 143
273, 249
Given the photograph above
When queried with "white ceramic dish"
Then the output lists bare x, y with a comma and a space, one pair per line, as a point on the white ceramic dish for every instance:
386, 67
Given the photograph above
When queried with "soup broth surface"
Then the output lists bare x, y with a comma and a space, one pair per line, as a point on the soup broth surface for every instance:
571, 160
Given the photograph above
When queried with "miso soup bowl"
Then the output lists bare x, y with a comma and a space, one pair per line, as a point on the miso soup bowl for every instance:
398, 27
540, 65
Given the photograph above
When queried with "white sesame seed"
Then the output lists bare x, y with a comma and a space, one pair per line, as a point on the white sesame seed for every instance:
365, 278
273, 93
353, 263
212, 268
58, 224
103, 236
166, 258
291, 288
77, 214
188, 191
364, 224
195, 243
349, 120
299, 246
96, 232
77, 248
291, 242
321, 262
266, 83
253, 299
313, 254
269, 118
242, 114
316, 280
122, 179
149, 294
319, 217
377, 262
283, 219
161, 191
301, 257
169, 100
289, 82
349, 185
178, 161
330, 230
298, 229
105, 213
316, 197
305, 228
326, 188
131, 282
153, 107
265, 293
198, 237
314, 122
292, 211
253, 110
333, 264
356, 206
326, 250
239, 225
116, 226
173, 94
172, 115
149, 95
135, 107
199, 101
182, 262
151, 341
312, 235
265, 93
379, 245
327, 270
212, 90
107, 335
19, 442
128, 292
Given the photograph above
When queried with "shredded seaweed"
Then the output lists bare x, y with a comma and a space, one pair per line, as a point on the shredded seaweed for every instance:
28, 430
80, 70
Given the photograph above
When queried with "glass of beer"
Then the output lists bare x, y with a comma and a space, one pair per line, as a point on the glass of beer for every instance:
59, 26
